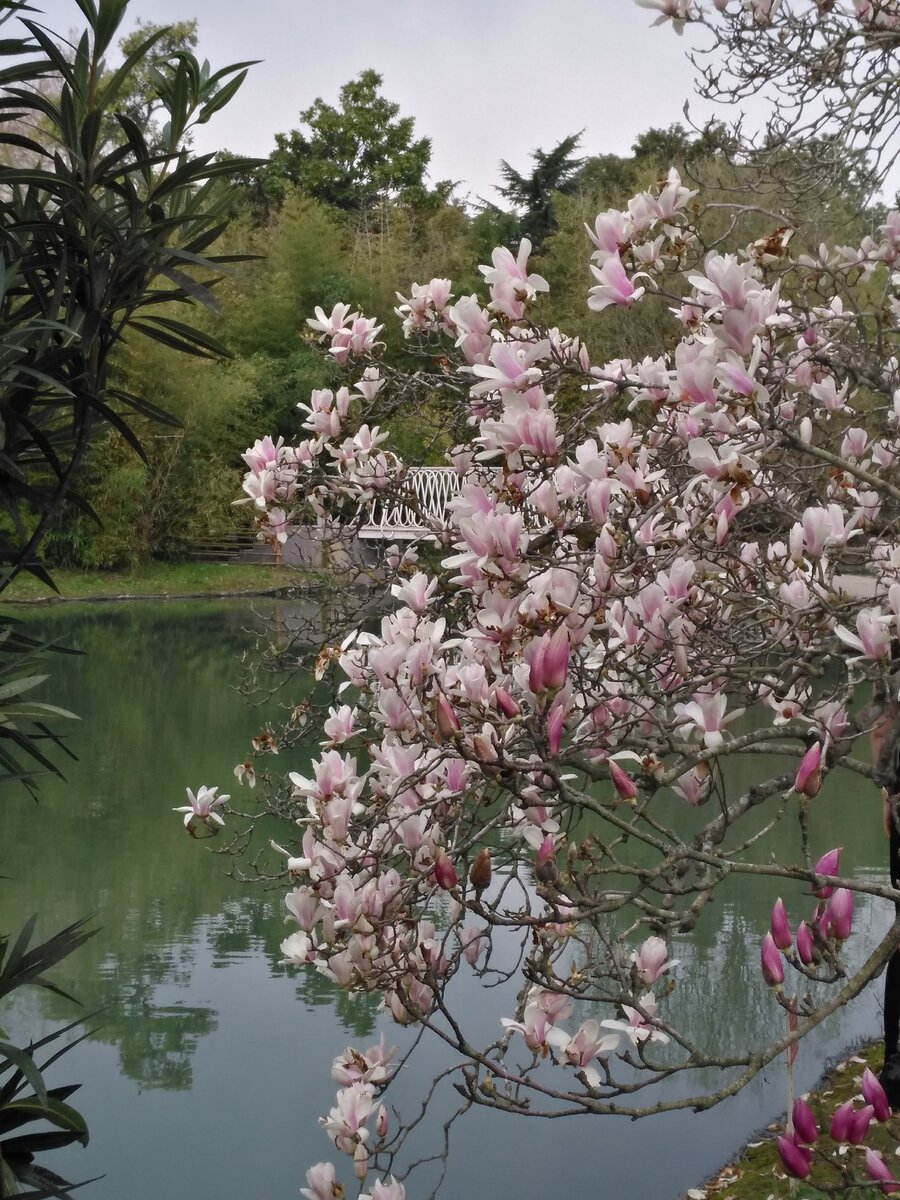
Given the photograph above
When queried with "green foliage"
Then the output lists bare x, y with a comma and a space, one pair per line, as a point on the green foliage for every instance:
554, 171
139, 99
352, 156
25, 1099
25, 722
94, 240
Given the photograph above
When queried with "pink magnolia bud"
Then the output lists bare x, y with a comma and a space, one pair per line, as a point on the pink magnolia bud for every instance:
447, 720
549, 661
840, 912
874, 1094
808, 780
770, 962
360, 1161
859, 1125
796, 1160
781, 930
828, 864
805, 945
555, 729
444, 871
381, 1122
875, 1165
505, 703
803, 1121
622, 781
841, 1122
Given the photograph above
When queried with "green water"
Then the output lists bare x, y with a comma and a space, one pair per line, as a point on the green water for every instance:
209, 1064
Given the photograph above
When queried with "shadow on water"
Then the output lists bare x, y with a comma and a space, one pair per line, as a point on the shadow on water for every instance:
211, 1063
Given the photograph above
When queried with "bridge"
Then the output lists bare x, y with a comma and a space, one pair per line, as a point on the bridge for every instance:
427, 491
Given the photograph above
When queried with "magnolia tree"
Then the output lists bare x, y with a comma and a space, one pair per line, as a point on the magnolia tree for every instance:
532, 748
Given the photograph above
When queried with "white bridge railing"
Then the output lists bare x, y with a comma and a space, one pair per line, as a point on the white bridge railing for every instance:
429, 490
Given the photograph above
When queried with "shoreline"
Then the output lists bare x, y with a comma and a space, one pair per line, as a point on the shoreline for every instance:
124, 597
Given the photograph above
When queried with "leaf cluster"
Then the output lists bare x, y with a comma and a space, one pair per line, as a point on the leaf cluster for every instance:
95, 238
25, 1099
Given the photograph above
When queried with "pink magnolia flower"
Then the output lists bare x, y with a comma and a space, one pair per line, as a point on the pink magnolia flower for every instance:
582, 1047
345, 1123
637, 1027
873, 636
652, 960
707, 713
322, 1183
542, 1011
676, 11
510, 283
385, 1189
298, 949
202, 807
613, 286
340, 316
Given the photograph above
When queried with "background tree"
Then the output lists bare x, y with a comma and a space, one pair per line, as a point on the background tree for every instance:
353, 156
554, 171
643, 548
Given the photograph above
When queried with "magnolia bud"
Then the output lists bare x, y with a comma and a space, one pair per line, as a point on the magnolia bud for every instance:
444, 871
622, 781
781, 930
828, 864
796, 1160
803, 1121
381, 1122
770, 962
480, 873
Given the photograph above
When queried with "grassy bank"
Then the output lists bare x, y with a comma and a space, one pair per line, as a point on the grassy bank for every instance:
758, 1175
155, 580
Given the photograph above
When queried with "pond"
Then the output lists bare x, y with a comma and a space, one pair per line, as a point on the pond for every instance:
210, 1063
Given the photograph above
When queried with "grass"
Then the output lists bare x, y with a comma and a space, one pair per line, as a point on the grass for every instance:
758, 1175
155, 579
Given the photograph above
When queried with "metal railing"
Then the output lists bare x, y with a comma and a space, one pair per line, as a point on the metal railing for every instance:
416, 510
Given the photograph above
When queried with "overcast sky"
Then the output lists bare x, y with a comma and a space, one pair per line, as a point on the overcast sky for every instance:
484, 79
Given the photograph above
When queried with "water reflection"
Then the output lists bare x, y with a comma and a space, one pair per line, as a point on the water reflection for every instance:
211, 1063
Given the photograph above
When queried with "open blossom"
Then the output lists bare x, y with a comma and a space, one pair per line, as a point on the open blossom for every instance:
201, 807
873, 635
542, 1011
636, 1026
385, 1189
345, 1123
322, 1183
613, 286
510, 282
676, 11
298, 949
582, 1047
652, 960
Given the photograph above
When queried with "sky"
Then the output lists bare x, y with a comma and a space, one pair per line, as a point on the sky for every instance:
485, 79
